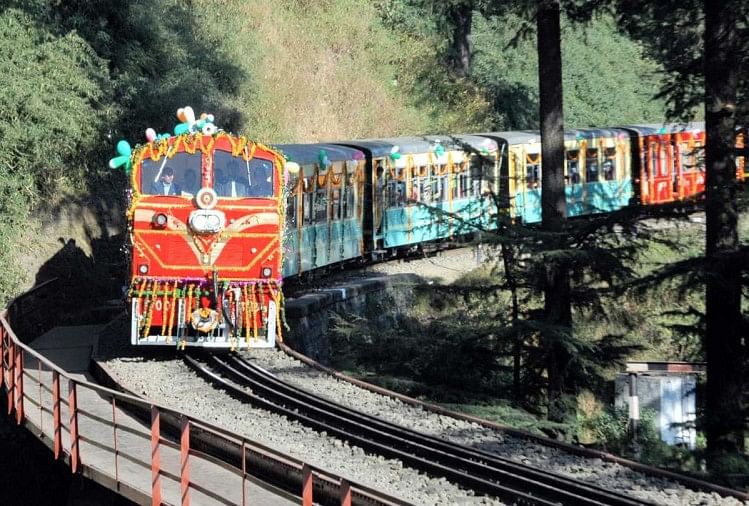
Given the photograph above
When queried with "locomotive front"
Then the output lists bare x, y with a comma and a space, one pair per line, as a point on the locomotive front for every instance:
206, 225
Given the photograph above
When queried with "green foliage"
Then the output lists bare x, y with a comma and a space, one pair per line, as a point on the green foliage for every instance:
607, 80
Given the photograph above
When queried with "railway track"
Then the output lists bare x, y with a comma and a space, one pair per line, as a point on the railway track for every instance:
470, 468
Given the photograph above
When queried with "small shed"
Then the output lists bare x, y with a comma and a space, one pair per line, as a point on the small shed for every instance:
669, 389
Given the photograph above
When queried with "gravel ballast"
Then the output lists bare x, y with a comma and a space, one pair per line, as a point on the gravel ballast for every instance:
170, 382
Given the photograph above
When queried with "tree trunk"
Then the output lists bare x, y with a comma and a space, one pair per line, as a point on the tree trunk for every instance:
460, 16
723, 341
557, 311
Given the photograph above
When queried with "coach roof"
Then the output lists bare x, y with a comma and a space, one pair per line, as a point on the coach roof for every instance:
306, 154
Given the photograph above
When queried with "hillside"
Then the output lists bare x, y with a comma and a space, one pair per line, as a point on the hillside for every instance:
77, 76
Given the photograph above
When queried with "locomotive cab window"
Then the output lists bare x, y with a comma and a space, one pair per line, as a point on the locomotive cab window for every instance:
609, 164
591, 165
235, 177
174, 176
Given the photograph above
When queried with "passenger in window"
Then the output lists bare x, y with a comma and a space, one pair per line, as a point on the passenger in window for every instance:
191, 185
234, 186
261, 180
166, 185
608, 170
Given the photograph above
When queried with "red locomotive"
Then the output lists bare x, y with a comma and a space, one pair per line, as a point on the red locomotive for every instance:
206, 225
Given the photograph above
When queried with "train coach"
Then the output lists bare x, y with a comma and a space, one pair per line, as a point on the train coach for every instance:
217, 222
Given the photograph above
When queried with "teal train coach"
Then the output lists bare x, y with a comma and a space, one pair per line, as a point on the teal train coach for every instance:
371, 198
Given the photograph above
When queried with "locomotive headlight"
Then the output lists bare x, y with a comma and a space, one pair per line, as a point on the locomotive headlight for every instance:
207, 222
267, 272
143, 269
160, 220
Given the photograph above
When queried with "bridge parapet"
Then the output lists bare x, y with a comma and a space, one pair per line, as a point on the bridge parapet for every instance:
146, 451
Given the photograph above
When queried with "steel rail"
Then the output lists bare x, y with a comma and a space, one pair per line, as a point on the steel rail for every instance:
473, 469
473, 455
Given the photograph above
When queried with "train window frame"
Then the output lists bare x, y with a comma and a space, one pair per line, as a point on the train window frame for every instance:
532, 171
307, 208
663, 165
609, 155
687, 158
253, 178
335, 204
180, 167
291, 210
592, 171
570, 180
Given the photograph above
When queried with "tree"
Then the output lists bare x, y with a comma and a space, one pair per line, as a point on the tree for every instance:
557, 302
725, 352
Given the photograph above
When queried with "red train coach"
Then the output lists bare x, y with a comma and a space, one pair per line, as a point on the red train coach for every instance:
671, 161
206, 223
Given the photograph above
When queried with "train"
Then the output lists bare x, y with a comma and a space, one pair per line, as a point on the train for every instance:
217, 222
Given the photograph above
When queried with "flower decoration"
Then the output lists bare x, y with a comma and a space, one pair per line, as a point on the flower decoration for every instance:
123, 159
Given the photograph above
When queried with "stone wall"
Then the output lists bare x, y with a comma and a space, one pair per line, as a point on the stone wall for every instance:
309, 315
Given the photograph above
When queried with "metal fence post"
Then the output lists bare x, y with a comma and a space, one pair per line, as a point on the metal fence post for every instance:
73, 409
19, 384
155, 457
184, 454
345, 493
116, 447
11, 378
306, 485
2, 355
56, 413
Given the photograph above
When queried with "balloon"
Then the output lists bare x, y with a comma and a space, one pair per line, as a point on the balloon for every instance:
394, 153
123, 148
358, 155
186, 114
182, 128
208, 129
439, 150
150, 134
118, 161
123, 160
324, 160
162, 137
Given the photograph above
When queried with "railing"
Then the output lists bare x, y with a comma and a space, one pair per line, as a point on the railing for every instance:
102, 438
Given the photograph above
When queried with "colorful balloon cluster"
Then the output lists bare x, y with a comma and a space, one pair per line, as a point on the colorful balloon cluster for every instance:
123, 160
189, 124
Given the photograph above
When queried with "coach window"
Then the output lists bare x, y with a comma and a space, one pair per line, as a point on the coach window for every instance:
307, 196
349, 201
465, 179
336, 204
291, 211
663, 154
573, 166
591, 165
185, 170
686, 158
532, 170
397, 188
609, 164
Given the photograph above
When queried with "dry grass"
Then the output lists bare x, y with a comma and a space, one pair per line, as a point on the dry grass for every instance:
316, 70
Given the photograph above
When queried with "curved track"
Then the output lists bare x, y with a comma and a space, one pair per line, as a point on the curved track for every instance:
473, 469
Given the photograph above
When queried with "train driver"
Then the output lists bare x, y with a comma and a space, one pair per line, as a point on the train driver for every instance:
165, 185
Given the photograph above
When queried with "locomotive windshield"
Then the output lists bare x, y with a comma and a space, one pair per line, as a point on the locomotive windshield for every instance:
176, 176
235, 177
